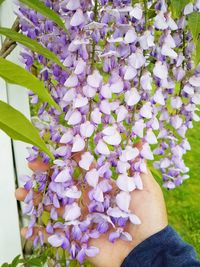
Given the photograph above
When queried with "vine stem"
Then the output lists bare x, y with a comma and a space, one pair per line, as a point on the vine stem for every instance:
145, 13
93, 53
94, 44
9, 45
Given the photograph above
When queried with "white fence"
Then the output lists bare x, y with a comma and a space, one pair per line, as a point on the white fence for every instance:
12, 155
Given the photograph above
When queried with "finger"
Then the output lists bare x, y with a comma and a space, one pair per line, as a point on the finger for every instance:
38, 165
21, 194
149, 182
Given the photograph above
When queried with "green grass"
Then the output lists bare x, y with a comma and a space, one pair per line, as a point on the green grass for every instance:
183, 203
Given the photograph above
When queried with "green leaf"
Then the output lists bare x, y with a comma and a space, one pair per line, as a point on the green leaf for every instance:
194, 24
32, 44
45, 217
45, 11
197, 53
77, 173
35, 262
18, 127
74, 263
5, 265
16, 261
177, 6
1, 1
15, 74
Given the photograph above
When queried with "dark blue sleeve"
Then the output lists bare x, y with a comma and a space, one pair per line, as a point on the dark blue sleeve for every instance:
163, 249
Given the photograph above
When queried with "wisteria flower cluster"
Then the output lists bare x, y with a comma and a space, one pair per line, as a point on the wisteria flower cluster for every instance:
131, 79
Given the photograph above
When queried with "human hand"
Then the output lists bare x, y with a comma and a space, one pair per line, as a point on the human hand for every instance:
148, 204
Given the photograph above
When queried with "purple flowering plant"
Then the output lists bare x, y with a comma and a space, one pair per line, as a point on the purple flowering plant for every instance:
124, 77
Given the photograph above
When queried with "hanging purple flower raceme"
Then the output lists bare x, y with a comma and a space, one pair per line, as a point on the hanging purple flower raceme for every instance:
130, 94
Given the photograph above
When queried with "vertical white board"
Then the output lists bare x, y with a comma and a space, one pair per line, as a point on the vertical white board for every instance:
10, 240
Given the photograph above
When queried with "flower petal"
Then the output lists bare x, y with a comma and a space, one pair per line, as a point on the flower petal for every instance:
125, 183
86, 161
123, 201
63, 176
72, 212
92, 177
78, 143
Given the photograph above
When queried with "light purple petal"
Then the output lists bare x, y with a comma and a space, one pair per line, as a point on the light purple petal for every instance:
96, 116
137, 12
72, 192
81, 255
75, 118
160, 70
168, 51
150, 137
146, 111
106, 91
72, 212
105, 107
138, 128
188, 9
123, 201
73, 4
138, 181
102, 148
67, 137
91, 251
63, 176
117, 87
92, 177
122, 112
72, 81
116, 213
132, 97
114, 140
78, 18
146, 152
130, 36
78, 144
80, 67
130, 153
137, 59
134, 219
86, 161
195, 81
113, 236
95, 79
87, 129
160, 22
98, 194
61, 151
123, 167
125, 183
56, 240
146, 81
80, 101
70, 95
176, 121
130, 73
89, 91
126, 236
158, 97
